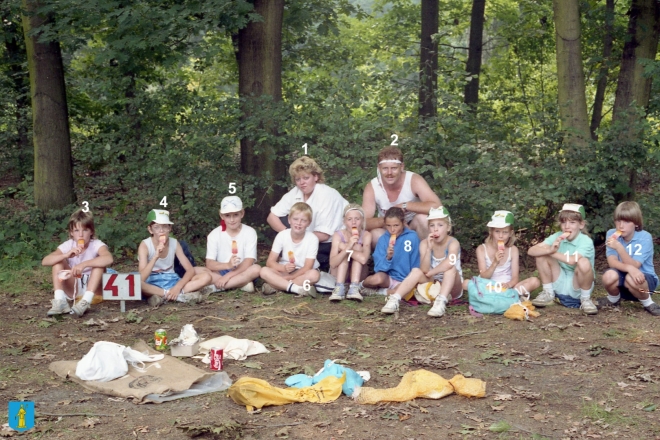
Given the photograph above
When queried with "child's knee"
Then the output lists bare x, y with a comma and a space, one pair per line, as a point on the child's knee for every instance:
583, 265
610, 277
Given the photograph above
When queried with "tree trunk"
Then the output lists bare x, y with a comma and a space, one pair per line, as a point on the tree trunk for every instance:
428, 59
259, 58
53, 169
641, 43
570, 74
473, 66
16, 59
597, 114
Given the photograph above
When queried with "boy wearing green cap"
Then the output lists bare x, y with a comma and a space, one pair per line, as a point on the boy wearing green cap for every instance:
565, 261
156, 254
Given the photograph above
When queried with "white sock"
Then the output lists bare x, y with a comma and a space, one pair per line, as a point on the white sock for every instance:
548, 288
88, 296
614, 299
585, 294
60, 295
646, 302
396, 295
294, 288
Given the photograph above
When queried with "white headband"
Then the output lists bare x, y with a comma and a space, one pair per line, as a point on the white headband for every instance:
389, 161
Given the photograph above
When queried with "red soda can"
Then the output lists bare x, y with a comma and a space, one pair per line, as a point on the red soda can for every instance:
216, 355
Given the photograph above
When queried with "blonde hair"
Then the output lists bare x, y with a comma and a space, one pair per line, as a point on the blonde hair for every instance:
630, 212
303, 208
306, 164
358, 208
510, 241
85, 219
565, 216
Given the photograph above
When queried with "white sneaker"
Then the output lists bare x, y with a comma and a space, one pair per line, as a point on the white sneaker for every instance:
155, 300
544, 299
249, 287
439, 306
588, 307
80, 308
190, 297
60, 306
207, 290
338, 294
392, 305
354, 293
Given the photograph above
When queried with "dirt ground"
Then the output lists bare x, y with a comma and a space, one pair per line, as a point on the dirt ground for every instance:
562, 375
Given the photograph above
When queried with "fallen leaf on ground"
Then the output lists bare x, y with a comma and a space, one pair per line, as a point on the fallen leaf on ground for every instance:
502, 397
90, 422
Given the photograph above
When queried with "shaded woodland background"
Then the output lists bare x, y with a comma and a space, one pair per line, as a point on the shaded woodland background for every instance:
502, 104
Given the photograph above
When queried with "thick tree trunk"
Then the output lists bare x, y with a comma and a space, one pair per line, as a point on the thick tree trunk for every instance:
597, 114
473, 65
641, 43
259, 58
428, 59
570, 75
53, 169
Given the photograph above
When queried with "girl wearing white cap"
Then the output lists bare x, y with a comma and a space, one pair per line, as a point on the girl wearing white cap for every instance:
565, 261
498, 257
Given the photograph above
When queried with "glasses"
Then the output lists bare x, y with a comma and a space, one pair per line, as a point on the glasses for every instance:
161, 228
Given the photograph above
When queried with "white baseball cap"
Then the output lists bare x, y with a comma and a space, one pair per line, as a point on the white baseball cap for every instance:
575, 208
159, 216
500, 219
231, 204
439, 212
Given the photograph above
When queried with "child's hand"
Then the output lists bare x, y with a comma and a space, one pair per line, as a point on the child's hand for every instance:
613, 244
390, 252
235, 260
75, 252
498, 256
352, 241
160, 248
431, 238
290, 267
637, 275
77, 270
172, 294
505, 286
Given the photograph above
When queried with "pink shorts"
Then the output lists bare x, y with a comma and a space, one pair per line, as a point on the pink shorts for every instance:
393, 283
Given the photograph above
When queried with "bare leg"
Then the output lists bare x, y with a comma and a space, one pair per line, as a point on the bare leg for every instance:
633, 287
548, 269
375, 235
611, 282
379, 279
243, 278
356, 272
341, 271
530, 284
419, 224
198, 281
65, 285
415, 277
584, 275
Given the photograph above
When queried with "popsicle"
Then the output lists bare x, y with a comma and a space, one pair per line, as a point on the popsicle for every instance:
616, 235
354, 231
292, 257
565, 235
234, 247
162, 239
500, 245
81, 242
392, 240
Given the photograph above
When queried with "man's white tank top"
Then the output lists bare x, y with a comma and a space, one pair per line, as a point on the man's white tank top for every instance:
383, 202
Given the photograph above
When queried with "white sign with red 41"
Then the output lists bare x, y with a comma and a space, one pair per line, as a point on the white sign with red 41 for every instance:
121, 287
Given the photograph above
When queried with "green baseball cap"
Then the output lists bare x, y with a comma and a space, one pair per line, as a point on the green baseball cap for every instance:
575, 208
500, 219
159, 216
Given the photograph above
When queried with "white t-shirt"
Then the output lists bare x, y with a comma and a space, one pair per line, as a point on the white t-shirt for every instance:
218, 244
307, 248
327, 208
91, 252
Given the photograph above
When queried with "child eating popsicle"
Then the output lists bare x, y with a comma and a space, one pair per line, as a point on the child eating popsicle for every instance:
396, 254
78, 265
565, 261
631, 275
231, 249
351, 249
292, 265
499, 264
160, 282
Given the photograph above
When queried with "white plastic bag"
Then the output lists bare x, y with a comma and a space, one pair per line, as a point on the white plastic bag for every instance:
103, 363
107, 361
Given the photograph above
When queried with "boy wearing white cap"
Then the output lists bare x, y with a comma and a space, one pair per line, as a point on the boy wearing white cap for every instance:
498, 257
565, 261
160, 283
231, 249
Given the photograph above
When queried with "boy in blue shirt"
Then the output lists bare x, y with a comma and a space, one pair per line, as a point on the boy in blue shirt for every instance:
565, 261
631, 274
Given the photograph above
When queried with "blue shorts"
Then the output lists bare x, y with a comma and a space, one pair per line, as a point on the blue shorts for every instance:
563, 287
163, 280
623, 290
224, 272
568, 301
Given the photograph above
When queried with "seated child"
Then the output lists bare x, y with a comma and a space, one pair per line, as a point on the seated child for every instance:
396, 254
565, 261
86, 257
160, 283
446, 269
631, 275
292, 265
351, 247
231, 249
498, 258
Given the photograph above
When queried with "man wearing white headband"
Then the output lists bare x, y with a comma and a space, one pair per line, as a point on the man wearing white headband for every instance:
396, 187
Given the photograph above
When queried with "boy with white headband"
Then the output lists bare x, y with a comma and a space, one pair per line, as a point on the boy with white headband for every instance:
565, 261
395, 187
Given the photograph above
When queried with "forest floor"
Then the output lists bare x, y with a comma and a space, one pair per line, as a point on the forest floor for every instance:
562, 375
